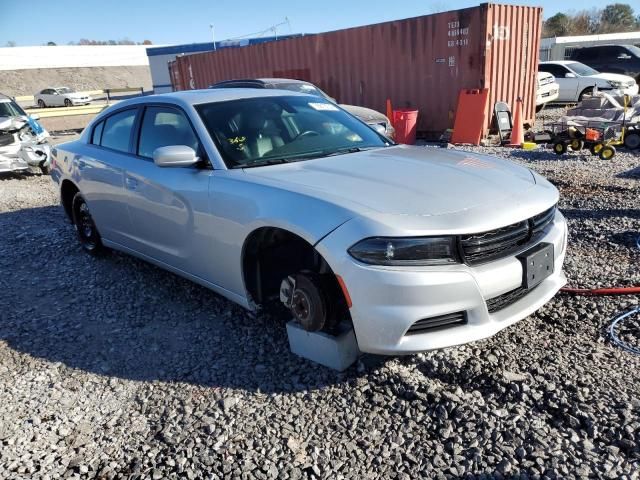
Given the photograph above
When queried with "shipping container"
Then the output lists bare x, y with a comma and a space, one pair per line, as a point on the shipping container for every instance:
420, 62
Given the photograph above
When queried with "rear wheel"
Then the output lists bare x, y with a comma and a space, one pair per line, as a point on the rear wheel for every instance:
560, 148
41, 103
86, 228
607, 152
595, 148
67, 102
576, 144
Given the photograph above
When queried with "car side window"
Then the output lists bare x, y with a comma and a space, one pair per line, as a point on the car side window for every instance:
117, 130
97, 133
164, 126
557, 71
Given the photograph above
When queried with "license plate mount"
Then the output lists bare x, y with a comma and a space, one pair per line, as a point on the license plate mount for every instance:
537, 264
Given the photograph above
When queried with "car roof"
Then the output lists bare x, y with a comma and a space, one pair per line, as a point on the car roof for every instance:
264, 81
559, 62
209, 95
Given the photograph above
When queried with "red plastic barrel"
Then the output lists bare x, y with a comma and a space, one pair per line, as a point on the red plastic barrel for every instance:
405, 121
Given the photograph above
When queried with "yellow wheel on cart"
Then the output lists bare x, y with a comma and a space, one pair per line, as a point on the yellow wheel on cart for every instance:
595, 148
607, 152
576, 144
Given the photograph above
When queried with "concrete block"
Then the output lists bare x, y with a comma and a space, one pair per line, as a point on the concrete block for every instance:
337, 351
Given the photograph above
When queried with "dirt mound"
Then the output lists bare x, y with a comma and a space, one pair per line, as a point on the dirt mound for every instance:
30, 81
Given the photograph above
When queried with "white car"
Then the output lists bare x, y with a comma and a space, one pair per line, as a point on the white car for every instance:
61, 96
577, 80
548, 90
268, 195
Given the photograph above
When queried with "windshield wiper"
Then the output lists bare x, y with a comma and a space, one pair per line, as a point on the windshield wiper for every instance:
272, 161
343, 151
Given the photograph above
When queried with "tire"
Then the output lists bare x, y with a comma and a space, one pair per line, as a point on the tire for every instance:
68, 103
595, 148
632, 140
85, 227
576, 144
586, 91
45, 170
560, 148
41, 103
539, 108
308, 303
607, 152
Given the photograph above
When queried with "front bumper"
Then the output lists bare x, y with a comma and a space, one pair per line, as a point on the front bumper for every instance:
78, 101
547, 93
387, 301
8, 164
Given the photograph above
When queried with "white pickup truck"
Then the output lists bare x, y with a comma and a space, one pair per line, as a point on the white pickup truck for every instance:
547, 91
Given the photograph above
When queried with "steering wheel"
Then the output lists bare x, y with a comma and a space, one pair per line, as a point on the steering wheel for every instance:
307, 133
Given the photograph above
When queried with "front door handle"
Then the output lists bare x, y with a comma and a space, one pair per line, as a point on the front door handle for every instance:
131, 183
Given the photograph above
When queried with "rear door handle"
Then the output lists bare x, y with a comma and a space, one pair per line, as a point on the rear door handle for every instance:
131, 183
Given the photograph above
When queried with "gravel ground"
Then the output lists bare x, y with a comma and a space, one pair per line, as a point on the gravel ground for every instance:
112, 368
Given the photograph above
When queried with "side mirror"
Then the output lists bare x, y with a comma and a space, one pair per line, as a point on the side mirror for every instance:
35, 116
175, 156
570, 75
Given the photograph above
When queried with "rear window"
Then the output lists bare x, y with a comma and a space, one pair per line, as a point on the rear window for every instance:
117, 130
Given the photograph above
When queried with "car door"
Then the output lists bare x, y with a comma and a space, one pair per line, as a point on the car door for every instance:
48, 97
168, 206
101, 172
568, 86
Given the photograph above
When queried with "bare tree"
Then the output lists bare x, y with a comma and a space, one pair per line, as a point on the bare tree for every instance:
10, 43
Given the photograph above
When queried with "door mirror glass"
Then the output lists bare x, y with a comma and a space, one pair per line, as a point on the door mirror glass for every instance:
175, 156
570, 75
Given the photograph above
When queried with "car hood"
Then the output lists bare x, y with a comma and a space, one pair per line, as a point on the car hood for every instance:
367, 115
616, 77
402, 180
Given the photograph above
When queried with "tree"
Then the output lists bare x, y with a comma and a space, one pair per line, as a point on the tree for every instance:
557, 26
617, 17
10, 43
51, 44
147, 42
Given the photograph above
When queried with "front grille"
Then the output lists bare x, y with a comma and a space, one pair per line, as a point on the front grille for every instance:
433, 323
503, 301
482, 247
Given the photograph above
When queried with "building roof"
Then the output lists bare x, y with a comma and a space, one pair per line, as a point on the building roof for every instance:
605, 37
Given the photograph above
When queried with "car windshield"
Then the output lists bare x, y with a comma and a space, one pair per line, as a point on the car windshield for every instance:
252, 132
65, 90
634, 50
581, 69
302, 88
10, 109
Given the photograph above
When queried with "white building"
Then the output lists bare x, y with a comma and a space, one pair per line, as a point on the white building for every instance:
560, 48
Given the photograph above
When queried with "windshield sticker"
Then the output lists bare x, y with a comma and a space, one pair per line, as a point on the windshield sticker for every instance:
327, 107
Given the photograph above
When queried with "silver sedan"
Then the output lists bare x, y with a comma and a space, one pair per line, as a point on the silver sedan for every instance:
273, 198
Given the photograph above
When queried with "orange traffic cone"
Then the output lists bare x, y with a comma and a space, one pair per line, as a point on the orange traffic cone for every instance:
517, 130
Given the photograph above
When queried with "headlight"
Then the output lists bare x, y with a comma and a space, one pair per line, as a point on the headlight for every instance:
615, 84
406, 251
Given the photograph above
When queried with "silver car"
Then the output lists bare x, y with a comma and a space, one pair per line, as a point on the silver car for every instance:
61, 96
271, 197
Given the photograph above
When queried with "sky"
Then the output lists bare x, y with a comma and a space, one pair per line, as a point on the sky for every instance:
188, 21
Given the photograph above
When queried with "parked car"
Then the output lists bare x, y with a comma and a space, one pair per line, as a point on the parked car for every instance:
577, 80
23, 141
271, 196
623, 59
371, 117
59, 96
548, 90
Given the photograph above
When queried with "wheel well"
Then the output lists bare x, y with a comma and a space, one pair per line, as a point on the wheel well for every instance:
271, 254
67, 191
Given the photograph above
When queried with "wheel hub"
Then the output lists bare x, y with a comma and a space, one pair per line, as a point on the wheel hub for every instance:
300, 305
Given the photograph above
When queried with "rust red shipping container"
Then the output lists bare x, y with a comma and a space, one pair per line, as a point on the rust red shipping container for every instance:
420, 63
